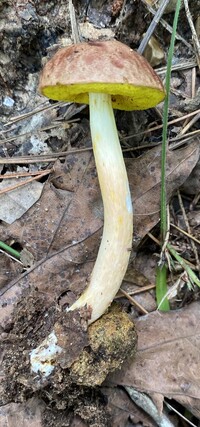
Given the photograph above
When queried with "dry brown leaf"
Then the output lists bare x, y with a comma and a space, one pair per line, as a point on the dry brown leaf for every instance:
123, 409
153, 52
16, 202
167, 360
16, 414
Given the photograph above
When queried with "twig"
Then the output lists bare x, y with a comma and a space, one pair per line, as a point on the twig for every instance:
55, 125
11, 257
134, 302
193, 89
194, 34
15, 281
140, 290
167, 26
15, 175
171, 122
179, 414
180, 66
38, 110
188, 229
189, 124
152, 26
74, 25
52, 126
20, 184
42, 158
185, 138
190, 236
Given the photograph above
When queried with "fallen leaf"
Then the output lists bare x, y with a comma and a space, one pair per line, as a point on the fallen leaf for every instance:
153, 52
123, 409
28, 415
16, 202
167, 359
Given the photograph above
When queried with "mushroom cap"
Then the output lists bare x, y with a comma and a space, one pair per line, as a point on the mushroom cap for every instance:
105, 67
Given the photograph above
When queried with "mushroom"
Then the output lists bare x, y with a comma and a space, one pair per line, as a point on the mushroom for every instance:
105, 75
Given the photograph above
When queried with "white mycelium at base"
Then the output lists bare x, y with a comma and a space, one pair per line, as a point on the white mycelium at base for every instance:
42, 357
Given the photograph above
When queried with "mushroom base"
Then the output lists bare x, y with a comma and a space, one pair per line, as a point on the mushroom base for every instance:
88, 356
85, 355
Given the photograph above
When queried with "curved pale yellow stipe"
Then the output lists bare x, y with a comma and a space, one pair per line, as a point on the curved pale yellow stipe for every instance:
115, 248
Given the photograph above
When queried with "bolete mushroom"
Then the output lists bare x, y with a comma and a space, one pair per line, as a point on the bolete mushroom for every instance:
105, 75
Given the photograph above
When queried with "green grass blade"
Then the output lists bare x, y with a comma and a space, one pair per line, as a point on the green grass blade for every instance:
161, 282
161, 288
9, 250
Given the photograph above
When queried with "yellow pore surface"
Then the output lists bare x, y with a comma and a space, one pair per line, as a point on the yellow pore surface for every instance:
124, 96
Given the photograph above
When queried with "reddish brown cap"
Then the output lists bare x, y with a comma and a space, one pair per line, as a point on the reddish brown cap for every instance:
102, 66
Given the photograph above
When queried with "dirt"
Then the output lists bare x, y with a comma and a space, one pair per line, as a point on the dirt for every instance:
71, 388
31, 323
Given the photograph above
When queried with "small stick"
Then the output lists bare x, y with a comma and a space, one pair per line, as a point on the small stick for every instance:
194, 34
152, 26
171, 122
188, 229
31, 113
189, 124
20, 184
190, 236
134, 302
74, 25
24, 174
136, 291
180, 66
10, 256
167, 26
193, 82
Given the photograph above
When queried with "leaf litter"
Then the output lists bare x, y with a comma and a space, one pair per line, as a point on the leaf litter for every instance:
63, 231
70, 213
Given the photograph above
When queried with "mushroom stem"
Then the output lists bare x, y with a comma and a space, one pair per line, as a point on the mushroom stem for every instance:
114, 251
